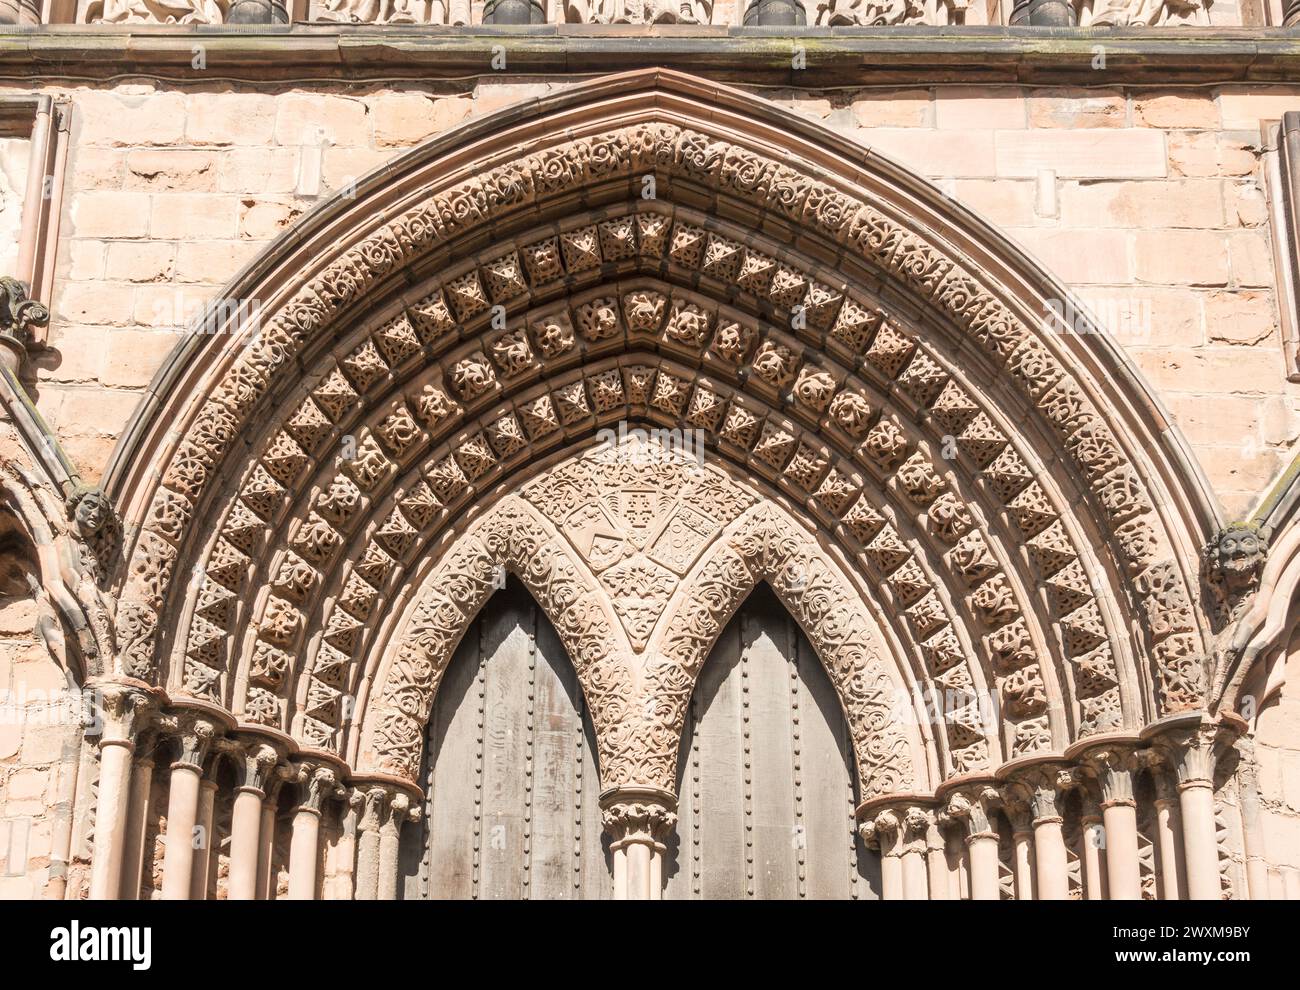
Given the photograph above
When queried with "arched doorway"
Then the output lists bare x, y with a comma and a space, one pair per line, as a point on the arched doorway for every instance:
510, 770
783, 827
942, 489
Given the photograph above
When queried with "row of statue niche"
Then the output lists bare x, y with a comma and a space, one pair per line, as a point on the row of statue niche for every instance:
825, 13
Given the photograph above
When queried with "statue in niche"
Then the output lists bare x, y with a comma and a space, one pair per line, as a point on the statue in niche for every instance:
156, 12
638, 11
868, 13
384, 12
1143, 13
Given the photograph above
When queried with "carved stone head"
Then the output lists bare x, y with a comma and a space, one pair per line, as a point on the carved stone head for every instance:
1233, 562
92, 512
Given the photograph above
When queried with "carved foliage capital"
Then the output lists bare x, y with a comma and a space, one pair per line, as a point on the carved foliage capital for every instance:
637, 818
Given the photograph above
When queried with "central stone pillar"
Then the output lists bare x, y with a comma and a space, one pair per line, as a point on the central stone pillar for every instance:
638, 819
137, 824
1046, 787
1016, 805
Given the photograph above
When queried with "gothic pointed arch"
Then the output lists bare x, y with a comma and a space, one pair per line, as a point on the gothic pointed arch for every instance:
1000, 503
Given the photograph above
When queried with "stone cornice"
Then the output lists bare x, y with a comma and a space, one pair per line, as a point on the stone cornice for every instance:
757, 56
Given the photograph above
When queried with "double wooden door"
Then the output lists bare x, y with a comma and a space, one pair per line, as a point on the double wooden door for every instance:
765, 789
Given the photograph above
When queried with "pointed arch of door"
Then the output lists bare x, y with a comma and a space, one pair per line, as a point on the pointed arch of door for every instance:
785, 826
510, 778
510, 772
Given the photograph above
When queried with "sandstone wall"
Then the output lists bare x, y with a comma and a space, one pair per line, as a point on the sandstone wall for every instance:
1149, 203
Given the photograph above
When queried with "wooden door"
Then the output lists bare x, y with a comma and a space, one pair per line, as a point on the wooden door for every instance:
765, 783
510, 769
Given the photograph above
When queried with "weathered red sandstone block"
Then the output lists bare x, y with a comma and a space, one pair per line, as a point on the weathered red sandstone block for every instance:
139, 261
946, 154
1080, 256
1182, 257
1077, 108
110, 214
1181, 110
1186, 203
130, 119
193, 216
965, 108
906, 108
319, 120
171, 169
1082, 154
229, 118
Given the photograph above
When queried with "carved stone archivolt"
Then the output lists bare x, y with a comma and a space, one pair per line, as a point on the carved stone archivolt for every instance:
1004, 562
627, 529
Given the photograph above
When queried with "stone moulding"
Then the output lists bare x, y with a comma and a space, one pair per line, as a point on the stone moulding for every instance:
1131, 484
909, 54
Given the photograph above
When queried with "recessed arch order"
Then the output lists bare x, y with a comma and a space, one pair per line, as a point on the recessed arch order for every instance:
881, 377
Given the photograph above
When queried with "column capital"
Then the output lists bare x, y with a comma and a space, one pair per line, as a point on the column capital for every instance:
1018, 805
253, 762
638, 814
976, 805
317, 783
122, 712
195, 732
1192, 752
1044, 787
1112, 766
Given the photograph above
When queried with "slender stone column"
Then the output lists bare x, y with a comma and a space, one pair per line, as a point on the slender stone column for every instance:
137, 818
1046, 794
915, 883
1252, 831
373, 815
276, 779
253, 764
345, 877
1192, 753
975, 807
122, 709
1113, 767
936, 857
196, 734
1016, 804
1173, 869
638, 819
204, 823
401, 810
316, 784
1093, 853
885, 833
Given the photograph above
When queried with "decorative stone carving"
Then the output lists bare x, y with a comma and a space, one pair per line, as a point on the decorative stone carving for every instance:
638, 11
867, 13
1146, 13
19, 316
1233, 561
155, 12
